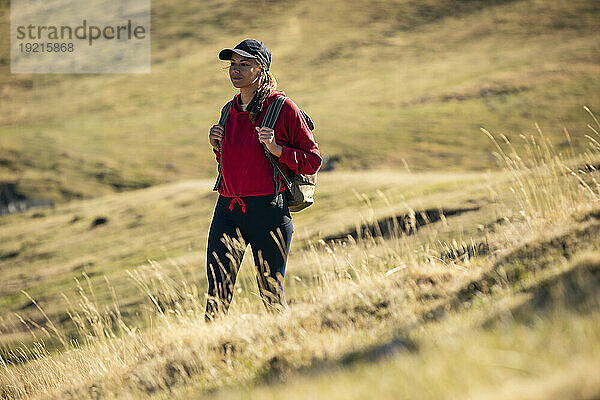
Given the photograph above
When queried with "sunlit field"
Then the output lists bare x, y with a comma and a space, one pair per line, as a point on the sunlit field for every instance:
387, 83
453, 250
496, 302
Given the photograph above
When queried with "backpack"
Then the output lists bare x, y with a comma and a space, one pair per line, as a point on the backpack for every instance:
300, 188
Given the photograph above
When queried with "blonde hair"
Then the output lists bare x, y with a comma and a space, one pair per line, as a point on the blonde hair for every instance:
267, 83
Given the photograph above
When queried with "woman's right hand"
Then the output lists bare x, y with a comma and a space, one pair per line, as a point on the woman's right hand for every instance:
215, 136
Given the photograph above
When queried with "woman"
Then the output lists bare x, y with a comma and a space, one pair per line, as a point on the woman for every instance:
244, 212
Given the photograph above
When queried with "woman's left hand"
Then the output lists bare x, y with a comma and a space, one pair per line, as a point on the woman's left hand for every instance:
267, 136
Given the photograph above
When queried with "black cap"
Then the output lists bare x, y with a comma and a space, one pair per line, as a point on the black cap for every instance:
249, 48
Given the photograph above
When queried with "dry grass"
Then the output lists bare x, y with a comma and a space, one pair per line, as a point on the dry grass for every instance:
169, 223
414, 305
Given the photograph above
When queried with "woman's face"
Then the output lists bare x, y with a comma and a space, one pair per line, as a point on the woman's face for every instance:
243, 71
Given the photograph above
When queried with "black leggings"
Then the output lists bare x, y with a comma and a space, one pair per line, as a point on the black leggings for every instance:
268, 229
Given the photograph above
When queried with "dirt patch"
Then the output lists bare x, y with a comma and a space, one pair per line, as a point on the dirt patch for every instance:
13, 201
98, 221
8, 255
406, 224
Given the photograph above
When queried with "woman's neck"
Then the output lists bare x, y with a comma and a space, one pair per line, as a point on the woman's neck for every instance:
247, 93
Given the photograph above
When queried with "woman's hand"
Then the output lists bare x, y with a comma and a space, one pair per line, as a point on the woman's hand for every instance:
267, 136
215, 136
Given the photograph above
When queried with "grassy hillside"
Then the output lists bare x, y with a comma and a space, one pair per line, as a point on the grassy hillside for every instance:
42, 251
496, 297
440, 261
387, 83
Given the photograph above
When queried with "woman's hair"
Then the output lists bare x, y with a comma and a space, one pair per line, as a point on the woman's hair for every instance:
266, 84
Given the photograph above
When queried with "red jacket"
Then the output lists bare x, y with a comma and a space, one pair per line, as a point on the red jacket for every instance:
245, 168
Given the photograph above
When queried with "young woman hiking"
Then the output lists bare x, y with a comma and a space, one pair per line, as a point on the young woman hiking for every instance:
248, 211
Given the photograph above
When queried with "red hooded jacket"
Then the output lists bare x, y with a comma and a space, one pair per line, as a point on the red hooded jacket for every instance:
245, 169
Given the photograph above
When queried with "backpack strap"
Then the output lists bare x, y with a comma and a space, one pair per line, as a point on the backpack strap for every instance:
273, 111
224, 115
269, 121
309, 122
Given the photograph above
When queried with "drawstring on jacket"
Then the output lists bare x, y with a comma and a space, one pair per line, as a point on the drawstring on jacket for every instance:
237, 200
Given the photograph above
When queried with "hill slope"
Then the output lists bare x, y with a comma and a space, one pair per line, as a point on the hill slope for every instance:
465, 297
42, 251
386, 82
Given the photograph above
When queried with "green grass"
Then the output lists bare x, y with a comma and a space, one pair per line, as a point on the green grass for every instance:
385, 82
